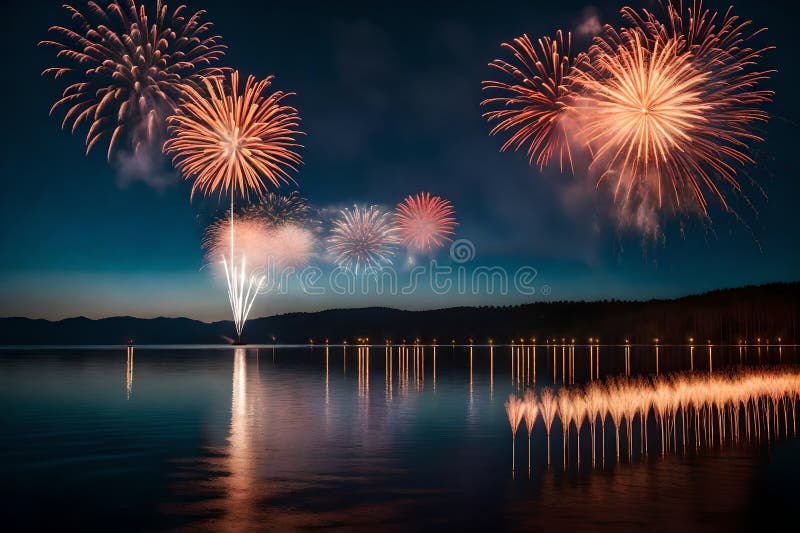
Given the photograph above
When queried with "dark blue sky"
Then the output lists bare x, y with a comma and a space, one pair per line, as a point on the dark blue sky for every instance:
389, 97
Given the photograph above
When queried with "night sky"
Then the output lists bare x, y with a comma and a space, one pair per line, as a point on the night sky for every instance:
389, 95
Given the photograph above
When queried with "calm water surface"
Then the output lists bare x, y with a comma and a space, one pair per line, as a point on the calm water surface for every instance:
261, 438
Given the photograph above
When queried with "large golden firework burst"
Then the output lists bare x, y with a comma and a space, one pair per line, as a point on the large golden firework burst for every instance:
646, 119
673, 104
234, 141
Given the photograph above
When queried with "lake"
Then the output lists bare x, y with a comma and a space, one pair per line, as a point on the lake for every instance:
246, 438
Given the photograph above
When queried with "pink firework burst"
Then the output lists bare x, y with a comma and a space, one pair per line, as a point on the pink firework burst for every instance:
425, 222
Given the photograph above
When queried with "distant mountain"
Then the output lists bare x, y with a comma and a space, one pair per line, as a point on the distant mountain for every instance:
767, 311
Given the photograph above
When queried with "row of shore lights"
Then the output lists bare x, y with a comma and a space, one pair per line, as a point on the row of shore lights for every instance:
564, 340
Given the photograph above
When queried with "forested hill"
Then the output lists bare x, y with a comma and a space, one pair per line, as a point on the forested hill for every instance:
767, 311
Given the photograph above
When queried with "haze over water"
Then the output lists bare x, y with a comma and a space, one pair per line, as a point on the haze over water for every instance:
254, 438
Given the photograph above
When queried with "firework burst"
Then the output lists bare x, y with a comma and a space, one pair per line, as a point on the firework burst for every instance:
672, 105
425, 222
363, 238
133, 69
279, 209
647, 105
536, 96
234, 141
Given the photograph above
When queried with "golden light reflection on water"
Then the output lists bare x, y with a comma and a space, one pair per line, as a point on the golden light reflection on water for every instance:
238, 485
129, 373
280, 448
687, 410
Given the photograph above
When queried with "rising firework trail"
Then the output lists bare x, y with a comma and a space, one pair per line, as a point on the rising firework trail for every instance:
535, 95
235, 141
363, 238
252, 249
672, 106
425, 222
130, 70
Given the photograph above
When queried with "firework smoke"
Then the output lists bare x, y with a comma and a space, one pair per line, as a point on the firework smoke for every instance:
252, 240
290, 246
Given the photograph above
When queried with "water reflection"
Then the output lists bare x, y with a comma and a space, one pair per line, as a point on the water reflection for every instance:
220, 439
316, 467
363, 371
129, 373
686, 410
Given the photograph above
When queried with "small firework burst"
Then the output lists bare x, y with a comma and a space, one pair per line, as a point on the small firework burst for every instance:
425, 222
363, 238
279, 209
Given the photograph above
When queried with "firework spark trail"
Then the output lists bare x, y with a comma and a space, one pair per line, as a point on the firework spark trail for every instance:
535, 100
645, 105
363, 238
565, 410
672, 105
253, 244
425, 222
241, 301
133, 69
235, 141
